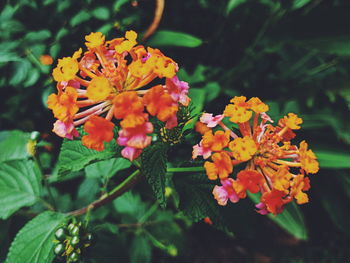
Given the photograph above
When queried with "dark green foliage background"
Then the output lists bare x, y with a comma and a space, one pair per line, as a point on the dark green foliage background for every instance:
293, 54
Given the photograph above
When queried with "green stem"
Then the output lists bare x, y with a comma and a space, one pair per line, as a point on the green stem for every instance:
155, 241
120, 189
185, 169
149, 213
51, 206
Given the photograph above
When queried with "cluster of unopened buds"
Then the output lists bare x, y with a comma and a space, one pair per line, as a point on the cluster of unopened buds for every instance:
116, 78
244, 138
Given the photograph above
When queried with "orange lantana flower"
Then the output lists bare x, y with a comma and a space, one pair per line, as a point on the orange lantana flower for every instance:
275, 167
221, 168
112, 79
99, 131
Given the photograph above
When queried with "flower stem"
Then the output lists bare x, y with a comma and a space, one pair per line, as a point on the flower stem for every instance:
185, 169
128, 183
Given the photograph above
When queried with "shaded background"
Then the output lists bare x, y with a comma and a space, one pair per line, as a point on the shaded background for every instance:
292, 54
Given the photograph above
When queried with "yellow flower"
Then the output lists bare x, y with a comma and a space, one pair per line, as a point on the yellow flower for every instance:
127, 44
237, 114
308, 159
281, 179
243, 148
94, 40
293, 121
238, 111
66, 69
257, 105
98, 89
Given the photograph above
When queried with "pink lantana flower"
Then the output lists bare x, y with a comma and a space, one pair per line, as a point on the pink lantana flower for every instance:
65, 129
211, 120
225, 192
200, 150
262, 209
178, 90
135, 139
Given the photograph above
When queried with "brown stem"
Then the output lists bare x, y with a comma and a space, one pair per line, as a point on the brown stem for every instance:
157, 17
118, 191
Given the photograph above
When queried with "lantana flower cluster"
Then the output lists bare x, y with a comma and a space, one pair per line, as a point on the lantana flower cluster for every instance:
272, 165
116, 82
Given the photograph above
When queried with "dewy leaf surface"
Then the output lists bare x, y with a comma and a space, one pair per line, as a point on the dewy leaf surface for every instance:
34, 242
19, 186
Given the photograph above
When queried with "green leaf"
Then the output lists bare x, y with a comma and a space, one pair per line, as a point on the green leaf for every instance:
119, 3
101, 13
107, 168
154, 159
79, 18
34, 242
212, 89
37, 36
291, 219
61, 33
33, 77
196, 199
130, 204
15, 142
197, 99
74, 156
232, 4
87, 191
171, 38
333, 159
6, 56
300, 3
20, 71
337, 45
19, 186
140, 250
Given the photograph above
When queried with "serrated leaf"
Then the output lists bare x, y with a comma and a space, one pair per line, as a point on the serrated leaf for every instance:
171, 38
33, 243
140, 250
74, 156
79, 18
291, 219
196, 199
19, 186
154, 159
107, 168
15, 142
